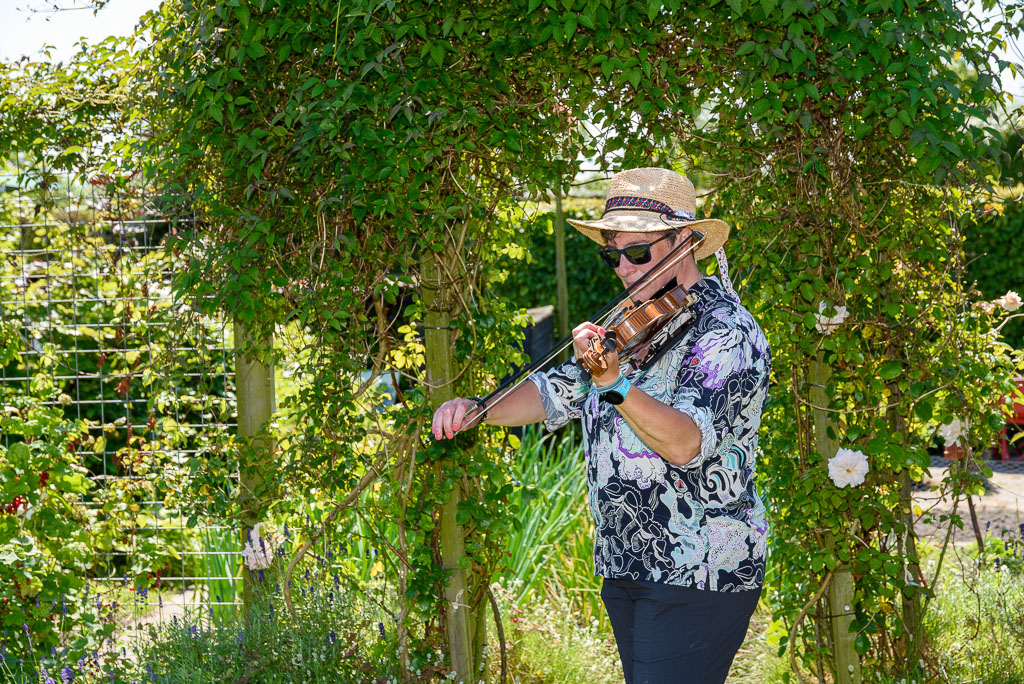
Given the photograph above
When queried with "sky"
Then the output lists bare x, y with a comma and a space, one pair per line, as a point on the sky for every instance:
27, 25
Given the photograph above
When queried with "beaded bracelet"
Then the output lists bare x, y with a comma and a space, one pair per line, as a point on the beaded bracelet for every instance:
481, 407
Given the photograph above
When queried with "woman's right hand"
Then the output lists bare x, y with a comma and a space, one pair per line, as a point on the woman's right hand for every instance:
450, 417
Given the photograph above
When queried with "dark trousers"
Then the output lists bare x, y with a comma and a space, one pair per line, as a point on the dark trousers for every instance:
675, 635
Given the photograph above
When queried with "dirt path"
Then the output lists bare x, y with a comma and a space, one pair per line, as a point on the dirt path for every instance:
1000, 510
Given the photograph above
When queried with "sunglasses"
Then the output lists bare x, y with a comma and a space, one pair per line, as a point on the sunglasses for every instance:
635, 254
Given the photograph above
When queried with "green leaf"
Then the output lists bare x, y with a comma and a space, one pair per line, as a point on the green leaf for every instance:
746, 48
569, 24
653, 7
890, 370
20, 455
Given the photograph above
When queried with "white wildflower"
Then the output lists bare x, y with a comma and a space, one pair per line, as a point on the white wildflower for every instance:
1009, 301
953, 431
828, 324
848, 467
260, 548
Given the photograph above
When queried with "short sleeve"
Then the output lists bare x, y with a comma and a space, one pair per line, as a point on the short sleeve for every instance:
721, 374
562, 392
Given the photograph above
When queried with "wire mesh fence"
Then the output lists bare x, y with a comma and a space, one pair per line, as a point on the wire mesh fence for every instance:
85, 281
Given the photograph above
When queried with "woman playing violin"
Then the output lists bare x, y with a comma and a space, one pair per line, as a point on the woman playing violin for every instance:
670, 436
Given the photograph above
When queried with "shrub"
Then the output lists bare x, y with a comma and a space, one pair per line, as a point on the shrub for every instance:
334, 636
45, 535
974, 626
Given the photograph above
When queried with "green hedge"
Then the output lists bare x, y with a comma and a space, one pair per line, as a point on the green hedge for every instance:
532, 279
995, 260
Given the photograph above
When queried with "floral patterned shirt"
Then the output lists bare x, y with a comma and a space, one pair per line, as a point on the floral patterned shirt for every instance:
701, 524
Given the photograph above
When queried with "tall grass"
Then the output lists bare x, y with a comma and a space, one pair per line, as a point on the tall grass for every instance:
552, 552
221, 567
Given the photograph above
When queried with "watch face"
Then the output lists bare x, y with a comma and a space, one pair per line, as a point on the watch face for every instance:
613, 397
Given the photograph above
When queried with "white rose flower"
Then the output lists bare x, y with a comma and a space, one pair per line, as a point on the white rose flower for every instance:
826, 324
951, 432
1009, 301
260, 549
987, 307
848, 467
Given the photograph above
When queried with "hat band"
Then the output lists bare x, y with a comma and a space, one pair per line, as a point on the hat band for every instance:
646, 204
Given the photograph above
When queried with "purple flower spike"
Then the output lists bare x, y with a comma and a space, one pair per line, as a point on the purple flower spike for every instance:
261, 575
67, 675
381, 625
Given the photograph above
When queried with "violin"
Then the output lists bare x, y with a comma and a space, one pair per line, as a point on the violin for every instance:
632, 327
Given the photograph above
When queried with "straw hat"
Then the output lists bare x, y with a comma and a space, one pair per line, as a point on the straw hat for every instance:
651, 200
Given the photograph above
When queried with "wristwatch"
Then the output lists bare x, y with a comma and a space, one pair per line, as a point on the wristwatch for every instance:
616, 392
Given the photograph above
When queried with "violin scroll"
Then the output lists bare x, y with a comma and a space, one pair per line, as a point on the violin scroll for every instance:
593, 361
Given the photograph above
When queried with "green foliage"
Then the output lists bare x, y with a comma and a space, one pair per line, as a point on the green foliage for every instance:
46, 544
340, 155
849, 146
343, 154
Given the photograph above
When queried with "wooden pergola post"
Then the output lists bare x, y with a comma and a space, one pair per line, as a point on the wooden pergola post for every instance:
561, 276
459, 621
254, 389
841, 590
